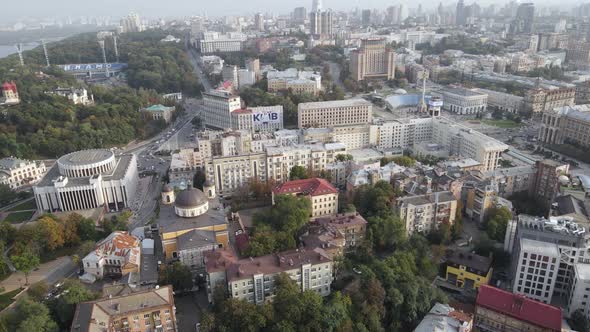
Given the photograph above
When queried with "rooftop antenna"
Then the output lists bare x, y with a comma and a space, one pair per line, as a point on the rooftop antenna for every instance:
116, 48
104, 55
45, 51
19, 50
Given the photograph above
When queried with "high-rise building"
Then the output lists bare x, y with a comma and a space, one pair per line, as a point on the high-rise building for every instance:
321, 23
131, 23
373, 60
547, 183
316, 5
460, 13
259, 22
299, 14
217, 108
366, 17
524, 20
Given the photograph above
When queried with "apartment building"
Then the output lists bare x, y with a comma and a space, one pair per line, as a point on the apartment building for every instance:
334, 113
479, 197
578, 54
497, 310
253, 279
217, 108
513, 179
297, 81
579, 290
213, 42
321, 193
15, 172
423, 213
228, 173
546, 185
280, 160
372, 60
183, 165
468, 271
468, 143
567, 124
539, 100
464, 101
544, 253
401, 133
143, 311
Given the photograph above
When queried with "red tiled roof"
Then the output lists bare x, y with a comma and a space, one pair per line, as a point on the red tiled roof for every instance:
313, 187
519, 307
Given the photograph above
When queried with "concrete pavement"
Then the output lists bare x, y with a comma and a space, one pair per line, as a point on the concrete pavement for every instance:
50, 272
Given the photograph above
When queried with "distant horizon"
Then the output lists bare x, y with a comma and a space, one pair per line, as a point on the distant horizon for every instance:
37, 9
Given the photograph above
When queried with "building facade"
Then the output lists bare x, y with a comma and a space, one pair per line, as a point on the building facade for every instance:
568, 124
115, 256
464, 101
253, 279
540, 100
213, 42
424, 213
158, 112
294, 80
88, 179
372, 60
258, 119
497, 310
16, 173
322, 195
217, 108
326, 114
143, 311
468, 271
504, 101
546, 185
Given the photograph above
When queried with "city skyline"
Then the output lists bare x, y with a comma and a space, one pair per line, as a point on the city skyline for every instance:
176, 8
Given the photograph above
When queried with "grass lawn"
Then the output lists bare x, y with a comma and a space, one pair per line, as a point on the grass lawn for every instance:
502, 123
28, 205
18, 217
6, 298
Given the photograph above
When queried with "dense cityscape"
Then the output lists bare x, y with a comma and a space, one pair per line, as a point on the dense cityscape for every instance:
406, 168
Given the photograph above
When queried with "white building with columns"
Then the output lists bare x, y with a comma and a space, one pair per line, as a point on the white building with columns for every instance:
88, 179
464, 101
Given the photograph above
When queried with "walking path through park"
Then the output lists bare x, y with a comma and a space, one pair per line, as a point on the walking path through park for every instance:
50, 272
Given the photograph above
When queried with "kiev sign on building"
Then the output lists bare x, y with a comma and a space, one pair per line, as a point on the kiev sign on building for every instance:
260, 117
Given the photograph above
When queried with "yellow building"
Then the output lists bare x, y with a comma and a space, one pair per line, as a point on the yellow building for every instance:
468, 271
191, 210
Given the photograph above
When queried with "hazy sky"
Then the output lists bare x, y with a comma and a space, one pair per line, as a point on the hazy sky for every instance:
13, 10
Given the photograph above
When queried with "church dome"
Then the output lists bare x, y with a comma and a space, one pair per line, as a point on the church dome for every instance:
190, 198
167, 188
